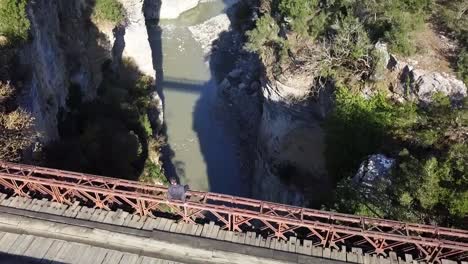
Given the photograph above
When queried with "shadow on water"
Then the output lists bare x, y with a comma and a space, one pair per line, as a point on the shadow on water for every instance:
152, 9
215, 130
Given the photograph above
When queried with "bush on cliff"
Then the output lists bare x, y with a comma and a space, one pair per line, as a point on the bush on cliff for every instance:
430, 182
14, 23
109, 10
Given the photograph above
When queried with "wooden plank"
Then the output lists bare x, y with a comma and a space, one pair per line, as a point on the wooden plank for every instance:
7, 241
120, 217
241, 238
26, 203
33, 203
12, 201
268, 242
352, 257
128, 258
149, 224
85, 213
62, 209
112, 257
70, 252
161, 224
186, 229
21, 245
179, 227
98, 215
52, 251
2, 197
258, 240
38, 248
317, 251
48, 207
138, 222
221, 235
309, 250
338, 254
168, 224
262, 242
408, 258
206, 229
235, 237
6, 201
146, 260
173, 227
292, 244
228, 236
93, 255
109, 217
199, 230
72, 211
214, 232
446, 261
384, 260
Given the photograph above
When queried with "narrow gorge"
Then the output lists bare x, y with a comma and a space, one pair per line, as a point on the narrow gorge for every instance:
244, 98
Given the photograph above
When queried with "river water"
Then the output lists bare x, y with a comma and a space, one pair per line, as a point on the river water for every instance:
201, 136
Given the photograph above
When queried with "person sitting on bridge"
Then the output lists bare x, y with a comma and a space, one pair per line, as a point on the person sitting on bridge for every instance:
176, 191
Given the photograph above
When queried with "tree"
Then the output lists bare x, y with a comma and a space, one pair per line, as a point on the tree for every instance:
14, 23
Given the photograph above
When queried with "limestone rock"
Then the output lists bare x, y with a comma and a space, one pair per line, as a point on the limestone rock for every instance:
375, 168
383, 58
135, 37
424, 85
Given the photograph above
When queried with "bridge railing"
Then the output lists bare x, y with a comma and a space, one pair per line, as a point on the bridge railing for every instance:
327, 229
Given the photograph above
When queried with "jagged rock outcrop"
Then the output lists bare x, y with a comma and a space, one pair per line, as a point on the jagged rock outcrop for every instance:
134, 41
423, 85
135, 37
375, 168
66, 50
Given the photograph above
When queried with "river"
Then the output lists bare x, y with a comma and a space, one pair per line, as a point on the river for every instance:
202, 143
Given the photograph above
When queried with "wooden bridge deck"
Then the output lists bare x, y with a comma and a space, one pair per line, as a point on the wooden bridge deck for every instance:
22, 249
17, 213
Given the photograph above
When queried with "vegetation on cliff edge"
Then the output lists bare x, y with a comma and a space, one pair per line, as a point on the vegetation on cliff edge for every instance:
334, 40
14, 24
109, 10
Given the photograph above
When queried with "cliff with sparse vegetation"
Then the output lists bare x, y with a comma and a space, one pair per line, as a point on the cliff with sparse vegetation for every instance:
68, 98
365, 77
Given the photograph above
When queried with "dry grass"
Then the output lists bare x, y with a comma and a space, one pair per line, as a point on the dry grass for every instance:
435, 51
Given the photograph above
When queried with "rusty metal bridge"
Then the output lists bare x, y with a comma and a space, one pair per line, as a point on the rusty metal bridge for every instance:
325, 229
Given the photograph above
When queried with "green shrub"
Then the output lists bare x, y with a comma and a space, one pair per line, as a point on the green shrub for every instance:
462, 66
109, 10
264, 39
153, 173
355, 129
14, 23
429, 184
453, 15
303, 16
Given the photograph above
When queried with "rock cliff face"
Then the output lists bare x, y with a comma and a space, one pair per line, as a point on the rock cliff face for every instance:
290, 143
66, 50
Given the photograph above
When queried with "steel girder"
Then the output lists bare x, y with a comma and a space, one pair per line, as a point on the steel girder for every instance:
326, 229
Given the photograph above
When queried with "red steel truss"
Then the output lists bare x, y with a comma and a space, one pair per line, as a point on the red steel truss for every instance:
326, 229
